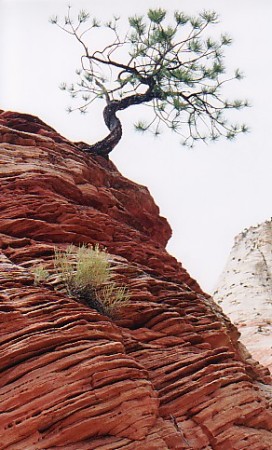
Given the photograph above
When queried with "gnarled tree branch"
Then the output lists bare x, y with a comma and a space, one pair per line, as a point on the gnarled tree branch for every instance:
177, 67
106, 145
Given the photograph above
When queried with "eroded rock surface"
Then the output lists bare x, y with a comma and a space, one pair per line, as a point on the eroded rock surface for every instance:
167, 373
244, 290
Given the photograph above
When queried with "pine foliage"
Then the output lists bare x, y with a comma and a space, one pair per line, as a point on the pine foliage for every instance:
175, 67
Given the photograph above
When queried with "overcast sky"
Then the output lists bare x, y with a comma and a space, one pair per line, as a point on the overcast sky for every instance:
208, 194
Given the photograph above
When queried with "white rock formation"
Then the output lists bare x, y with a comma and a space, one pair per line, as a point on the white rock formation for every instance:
244, 290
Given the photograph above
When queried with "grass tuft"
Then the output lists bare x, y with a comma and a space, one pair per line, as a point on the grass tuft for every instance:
87, 275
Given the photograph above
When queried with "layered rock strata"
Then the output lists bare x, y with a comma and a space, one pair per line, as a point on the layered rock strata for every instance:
167, 373
244, 290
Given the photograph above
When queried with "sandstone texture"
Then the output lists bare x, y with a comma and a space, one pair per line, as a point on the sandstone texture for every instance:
167, 373
244, 290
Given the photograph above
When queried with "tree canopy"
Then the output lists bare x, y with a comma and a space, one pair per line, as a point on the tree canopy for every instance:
176, 69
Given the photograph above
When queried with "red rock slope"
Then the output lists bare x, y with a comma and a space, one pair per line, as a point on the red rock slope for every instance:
168, 374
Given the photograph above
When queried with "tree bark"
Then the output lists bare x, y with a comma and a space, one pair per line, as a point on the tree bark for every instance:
106, 145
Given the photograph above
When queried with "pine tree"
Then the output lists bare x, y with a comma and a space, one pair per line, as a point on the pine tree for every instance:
176, 69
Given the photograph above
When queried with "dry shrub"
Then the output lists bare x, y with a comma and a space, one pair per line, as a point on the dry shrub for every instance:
40, 274
87, 275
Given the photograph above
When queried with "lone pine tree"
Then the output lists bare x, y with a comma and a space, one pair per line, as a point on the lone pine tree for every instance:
176, 69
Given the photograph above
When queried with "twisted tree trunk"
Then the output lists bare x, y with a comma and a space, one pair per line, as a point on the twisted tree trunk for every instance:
106, 145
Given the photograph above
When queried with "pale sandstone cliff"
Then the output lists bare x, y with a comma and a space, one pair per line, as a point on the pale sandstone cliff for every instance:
168, 374
244, 290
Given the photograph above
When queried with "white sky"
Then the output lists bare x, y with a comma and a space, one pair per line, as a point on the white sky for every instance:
208, 194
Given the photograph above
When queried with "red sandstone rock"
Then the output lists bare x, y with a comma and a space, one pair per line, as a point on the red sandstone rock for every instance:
167, 373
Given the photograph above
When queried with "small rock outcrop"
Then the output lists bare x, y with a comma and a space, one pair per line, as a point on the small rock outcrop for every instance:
167, 373
244, 290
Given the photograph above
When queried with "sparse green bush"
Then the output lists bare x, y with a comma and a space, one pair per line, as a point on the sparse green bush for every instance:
82, 267
87, 275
